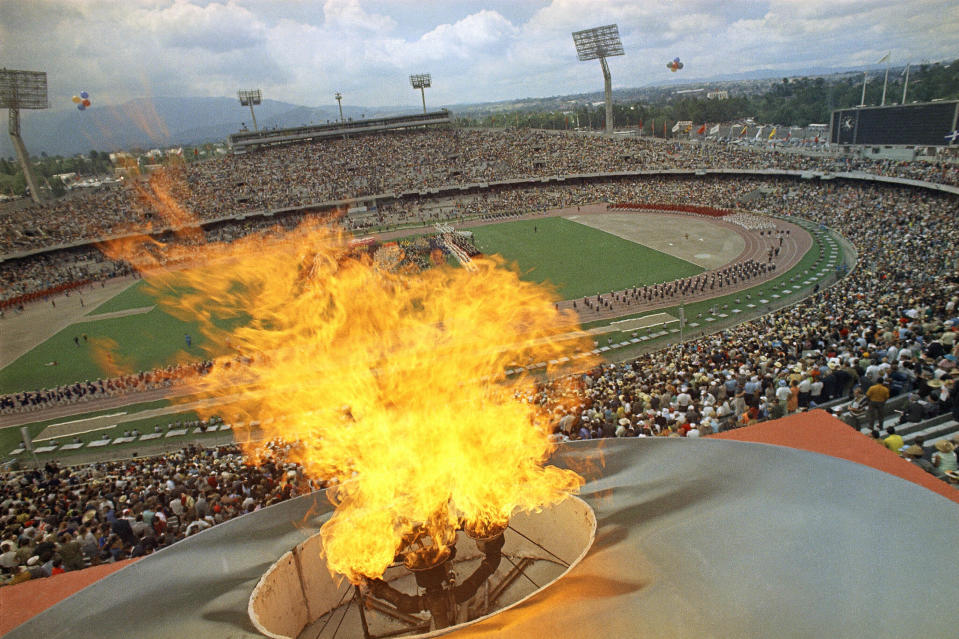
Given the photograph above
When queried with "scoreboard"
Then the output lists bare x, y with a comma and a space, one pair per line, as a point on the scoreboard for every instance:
925, 124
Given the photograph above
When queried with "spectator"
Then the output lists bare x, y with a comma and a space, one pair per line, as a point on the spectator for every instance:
945, 457
877, 394
893, 441
914, 454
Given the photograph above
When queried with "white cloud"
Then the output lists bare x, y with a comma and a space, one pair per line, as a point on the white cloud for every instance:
305, 50
348, 14
481, 33
215, 27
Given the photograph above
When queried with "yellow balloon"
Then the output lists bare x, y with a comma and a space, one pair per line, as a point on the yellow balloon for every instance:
76, 99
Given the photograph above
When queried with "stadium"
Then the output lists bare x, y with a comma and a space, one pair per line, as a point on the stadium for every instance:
743, 361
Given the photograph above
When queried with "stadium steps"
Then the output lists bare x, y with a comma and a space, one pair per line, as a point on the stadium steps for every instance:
932, 430
912, 429
943, 430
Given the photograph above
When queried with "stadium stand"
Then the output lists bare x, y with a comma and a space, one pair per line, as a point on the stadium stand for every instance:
891, 322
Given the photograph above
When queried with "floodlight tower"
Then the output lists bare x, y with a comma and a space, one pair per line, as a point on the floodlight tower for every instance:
421, 81
601, 42
250, 98
23, 90
339, 100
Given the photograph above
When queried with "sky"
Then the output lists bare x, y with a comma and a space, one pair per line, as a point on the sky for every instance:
303, 51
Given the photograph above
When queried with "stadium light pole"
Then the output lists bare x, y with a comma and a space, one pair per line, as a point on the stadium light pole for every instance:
421, 81
250, 98
905, 84
23, 90
885, 80
600, 43
339, 101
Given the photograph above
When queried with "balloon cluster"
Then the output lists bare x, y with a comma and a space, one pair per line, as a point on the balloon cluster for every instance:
674, 65
82, 101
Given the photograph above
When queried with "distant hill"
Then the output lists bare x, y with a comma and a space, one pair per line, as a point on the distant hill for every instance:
746, 83
148, 123
159, 122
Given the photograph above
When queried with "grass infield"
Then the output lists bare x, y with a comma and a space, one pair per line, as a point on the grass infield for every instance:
143, 342
576, 259
134, 296
10, 437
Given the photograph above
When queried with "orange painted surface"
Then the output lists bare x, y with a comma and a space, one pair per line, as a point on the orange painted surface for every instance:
820, 432
22, 601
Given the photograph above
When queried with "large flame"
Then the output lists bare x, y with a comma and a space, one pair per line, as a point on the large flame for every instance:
393, 382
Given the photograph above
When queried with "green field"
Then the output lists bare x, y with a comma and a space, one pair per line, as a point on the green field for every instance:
809, 262
133, 297
576, 259
143, 342
10, 437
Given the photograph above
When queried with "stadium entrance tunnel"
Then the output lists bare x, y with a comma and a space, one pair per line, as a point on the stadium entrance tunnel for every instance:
297, 597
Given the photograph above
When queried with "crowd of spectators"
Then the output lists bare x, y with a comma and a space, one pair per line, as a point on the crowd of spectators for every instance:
397, 163
48, 271
87, 391
907, 237
55, 519
892, 323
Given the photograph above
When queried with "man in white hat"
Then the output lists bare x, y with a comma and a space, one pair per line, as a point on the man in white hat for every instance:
945, 456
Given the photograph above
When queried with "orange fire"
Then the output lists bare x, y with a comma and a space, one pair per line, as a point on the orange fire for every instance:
392, 380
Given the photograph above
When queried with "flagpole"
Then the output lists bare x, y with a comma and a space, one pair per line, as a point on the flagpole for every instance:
905, 85
865, 74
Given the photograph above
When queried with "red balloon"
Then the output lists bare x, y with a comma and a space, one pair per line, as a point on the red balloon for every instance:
86, 103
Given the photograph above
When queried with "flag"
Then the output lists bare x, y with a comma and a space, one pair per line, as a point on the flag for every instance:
700, 130
789, 134
714, 130
759, 131
743, 132
952, 137
675, 127
883, 58
640, 125
771, 134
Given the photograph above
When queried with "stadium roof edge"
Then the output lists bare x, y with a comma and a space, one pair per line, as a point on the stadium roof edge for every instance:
242, 141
